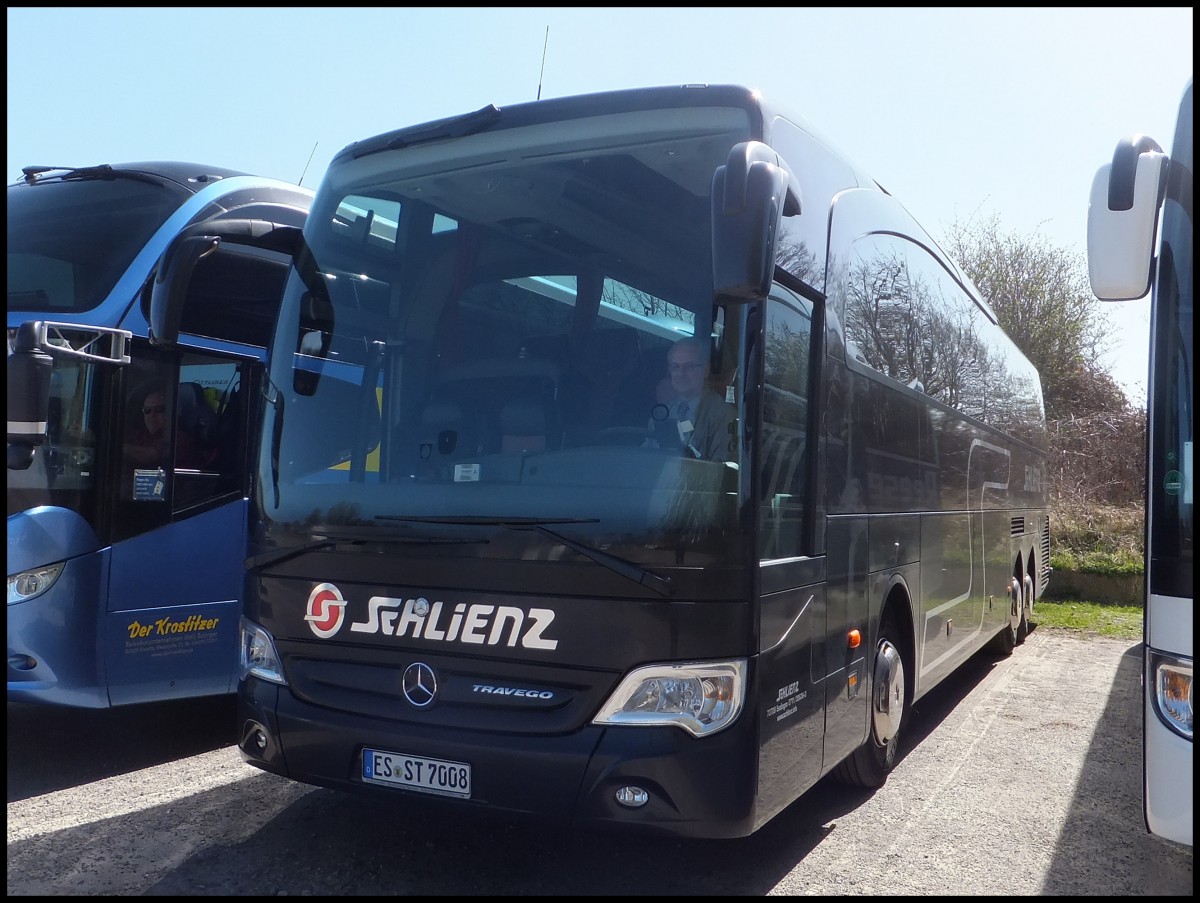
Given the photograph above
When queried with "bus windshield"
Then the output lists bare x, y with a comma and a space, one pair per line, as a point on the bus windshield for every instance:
70, 239
492, 335
73, 238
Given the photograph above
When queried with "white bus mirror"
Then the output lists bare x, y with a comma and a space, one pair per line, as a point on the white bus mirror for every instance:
1122, 220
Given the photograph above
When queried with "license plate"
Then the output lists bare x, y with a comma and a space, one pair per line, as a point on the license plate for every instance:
417, 773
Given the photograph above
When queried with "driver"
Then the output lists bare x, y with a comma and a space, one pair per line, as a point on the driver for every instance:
701, 418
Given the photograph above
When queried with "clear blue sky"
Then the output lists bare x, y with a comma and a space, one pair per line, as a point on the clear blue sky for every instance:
959, 113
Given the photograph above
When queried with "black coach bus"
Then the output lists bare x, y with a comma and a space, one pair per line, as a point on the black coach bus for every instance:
629, 459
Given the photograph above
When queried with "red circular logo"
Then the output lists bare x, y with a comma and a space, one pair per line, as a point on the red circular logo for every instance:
326, 610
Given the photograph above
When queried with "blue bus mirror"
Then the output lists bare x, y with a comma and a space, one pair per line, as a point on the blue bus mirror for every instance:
169, 292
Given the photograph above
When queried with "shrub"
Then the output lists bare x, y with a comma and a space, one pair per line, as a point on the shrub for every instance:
1097, 539
1098, 460
1097, 470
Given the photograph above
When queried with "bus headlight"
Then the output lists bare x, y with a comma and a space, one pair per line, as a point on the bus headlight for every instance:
32, 583
259, 656
1173, 692
700, 697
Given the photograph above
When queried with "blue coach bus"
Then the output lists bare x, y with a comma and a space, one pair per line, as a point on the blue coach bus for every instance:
124, 567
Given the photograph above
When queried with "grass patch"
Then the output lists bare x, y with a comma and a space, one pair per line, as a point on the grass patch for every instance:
1098, 561
1122, 622
1097, 539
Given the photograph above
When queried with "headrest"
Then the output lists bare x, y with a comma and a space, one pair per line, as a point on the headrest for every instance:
522, 418
191, 396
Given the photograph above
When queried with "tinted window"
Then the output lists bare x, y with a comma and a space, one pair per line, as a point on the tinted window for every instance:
787, 353
908, 319
70, 241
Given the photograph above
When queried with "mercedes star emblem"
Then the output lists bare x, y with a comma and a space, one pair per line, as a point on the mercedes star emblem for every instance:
420, 684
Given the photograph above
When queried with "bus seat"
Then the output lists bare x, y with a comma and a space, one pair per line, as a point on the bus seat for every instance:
611, 357
231, 422
194, 415
522, 427
485, 388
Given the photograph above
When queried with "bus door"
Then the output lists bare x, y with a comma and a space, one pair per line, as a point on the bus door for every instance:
793, 607
179, 521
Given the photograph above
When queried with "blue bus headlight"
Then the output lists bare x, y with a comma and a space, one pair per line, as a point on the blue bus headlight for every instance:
1173, 692
700, 697
259, 657
32, 583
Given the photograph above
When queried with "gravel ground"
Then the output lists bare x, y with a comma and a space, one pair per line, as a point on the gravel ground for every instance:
1023, 779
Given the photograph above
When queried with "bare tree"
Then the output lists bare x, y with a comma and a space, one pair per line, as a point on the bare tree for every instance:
1040, 293
1043, 300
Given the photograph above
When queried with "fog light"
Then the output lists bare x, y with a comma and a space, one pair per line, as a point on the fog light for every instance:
254, 738
632, 797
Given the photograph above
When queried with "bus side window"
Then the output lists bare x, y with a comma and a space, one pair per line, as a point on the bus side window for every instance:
211, 432
784, 433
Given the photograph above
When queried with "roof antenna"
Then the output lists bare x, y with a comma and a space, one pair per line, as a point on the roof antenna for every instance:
310, 156
544, 45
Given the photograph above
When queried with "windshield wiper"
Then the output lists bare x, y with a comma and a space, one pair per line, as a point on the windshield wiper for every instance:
635, 572
103, 171
324, 538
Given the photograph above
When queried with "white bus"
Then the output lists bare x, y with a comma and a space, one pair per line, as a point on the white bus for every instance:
1127, 199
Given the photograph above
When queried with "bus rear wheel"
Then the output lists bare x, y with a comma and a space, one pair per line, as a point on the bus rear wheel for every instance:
1007, 639
871, 763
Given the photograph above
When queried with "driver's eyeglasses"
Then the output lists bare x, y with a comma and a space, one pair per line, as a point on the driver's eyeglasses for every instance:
682, 368
155, 409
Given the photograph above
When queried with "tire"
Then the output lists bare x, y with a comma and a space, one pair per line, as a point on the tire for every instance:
1023, 622
871, 763
1005, 641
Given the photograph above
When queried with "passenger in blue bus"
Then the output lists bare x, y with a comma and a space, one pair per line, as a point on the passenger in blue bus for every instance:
149, 444
689, 409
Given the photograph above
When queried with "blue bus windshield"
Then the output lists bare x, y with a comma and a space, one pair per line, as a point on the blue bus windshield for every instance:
70, 240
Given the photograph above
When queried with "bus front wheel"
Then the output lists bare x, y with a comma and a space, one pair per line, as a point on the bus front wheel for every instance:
871, 763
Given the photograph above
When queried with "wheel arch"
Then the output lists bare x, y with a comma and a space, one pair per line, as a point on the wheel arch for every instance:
898, 602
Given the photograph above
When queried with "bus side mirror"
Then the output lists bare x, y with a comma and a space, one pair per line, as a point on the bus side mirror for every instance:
28, 396
171, 282
1123, 220
749, 195
169, 293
